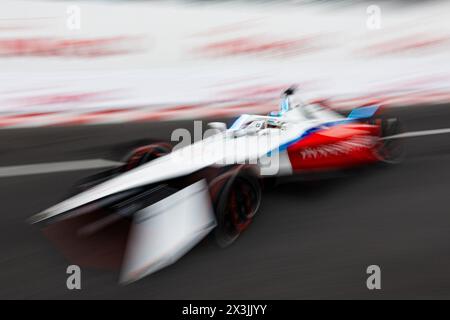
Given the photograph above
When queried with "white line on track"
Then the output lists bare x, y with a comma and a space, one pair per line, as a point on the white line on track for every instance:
419, 133
51, 167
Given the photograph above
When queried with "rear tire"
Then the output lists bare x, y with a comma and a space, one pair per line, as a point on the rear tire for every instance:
145, 154
137, 157
390, 150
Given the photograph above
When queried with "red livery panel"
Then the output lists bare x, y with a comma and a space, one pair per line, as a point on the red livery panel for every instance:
335, 147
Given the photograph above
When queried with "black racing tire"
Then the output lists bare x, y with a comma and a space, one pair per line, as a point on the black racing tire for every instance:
236, 203
390, 148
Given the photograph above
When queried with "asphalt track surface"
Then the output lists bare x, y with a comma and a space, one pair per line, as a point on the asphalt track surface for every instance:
310, 239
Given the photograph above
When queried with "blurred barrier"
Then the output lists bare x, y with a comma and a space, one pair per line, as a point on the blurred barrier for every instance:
141, 60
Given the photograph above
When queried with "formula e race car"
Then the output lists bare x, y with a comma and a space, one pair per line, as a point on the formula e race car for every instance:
163, 200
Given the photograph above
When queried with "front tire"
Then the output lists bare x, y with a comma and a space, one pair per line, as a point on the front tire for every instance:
237, 202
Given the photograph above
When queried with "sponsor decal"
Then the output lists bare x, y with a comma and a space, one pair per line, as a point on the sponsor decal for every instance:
340, 148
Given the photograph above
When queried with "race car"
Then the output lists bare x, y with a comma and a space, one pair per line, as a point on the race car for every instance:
164, 200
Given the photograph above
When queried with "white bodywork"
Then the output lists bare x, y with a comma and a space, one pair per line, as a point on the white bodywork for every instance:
235, 145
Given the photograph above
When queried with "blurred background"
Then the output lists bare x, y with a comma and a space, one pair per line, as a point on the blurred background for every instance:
90, 79
150, 56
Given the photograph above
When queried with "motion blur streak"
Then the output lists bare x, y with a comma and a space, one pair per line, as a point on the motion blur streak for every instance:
419, 133
212, 52
311, 240
12, 171
81, 88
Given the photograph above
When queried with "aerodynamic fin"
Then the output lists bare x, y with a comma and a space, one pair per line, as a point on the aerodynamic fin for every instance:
363, 112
